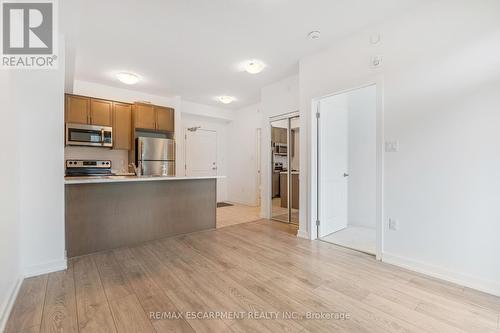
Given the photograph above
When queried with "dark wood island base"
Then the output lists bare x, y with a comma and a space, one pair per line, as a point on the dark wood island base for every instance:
106, 215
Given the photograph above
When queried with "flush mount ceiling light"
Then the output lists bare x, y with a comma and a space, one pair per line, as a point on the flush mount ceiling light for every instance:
127, 78
313, 35
226, 99
254, 66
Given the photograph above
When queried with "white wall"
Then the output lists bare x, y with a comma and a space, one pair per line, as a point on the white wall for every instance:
207, 111
361, 186
276, 99
39, 106
441, 77
10, 256
119, 94
242, 158
221, 127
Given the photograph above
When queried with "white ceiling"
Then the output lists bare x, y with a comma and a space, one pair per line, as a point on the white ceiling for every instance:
192, 48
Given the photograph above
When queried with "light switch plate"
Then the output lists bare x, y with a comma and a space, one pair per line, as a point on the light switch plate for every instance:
391, 146
393, 224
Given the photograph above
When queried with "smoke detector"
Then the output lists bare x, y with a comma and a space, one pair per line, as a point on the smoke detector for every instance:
313, 35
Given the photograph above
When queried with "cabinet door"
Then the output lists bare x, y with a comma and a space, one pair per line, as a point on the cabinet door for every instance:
144, 116
164, 119
101, 112
77, 109
122, 126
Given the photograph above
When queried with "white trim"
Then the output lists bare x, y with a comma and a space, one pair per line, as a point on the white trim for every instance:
284, 116
303, 234
243, 203
313, 176
7, 307
45, 268
487, 286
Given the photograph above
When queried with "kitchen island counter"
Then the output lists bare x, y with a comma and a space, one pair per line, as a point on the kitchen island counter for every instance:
104, 213
122, 179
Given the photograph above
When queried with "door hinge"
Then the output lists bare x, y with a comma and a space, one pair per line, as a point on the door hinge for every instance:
317, 114
317, 222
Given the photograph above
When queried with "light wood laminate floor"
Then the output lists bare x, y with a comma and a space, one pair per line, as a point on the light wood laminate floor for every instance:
248, 268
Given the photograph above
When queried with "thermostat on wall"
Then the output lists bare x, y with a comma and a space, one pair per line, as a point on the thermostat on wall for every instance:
391, 146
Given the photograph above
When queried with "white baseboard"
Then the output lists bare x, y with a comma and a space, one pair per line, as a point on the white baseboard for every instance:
9, 304
303, 234
487, 286
244, 203
48, 267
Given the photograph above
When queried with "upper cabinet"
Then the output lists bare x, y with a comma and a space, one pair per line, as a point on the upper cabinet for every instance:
77, 109
124, 118
86, 110
144, 116
101, 112
122, 125
164, 119
153, 117
279, 135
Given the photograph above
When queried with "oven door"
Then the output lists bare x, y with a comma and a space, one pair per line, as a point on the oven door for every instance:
89, 135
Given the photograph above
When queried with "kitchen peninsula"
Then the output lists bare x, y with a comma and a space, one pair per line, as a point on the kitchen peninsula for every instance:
108, 212
108, 143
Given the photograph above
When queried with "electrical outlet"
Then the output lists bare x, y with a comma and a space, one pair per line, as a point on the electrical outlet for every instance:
393, 224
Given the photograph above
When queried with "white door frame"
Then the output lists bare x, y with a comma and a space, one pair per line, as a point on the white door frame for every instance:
379, 162
258, 138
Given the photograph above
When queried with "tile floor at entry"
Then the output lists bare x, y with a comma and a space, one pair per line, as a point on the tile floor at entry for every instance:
236, 214
354, 237
258, 266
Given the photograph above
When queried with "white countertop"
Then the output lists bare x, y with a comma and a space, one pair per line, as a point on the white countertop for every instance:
123, 179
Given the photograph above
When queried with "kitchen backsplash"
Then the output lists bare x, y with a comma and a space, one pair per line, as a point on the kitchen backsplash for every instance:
119, 158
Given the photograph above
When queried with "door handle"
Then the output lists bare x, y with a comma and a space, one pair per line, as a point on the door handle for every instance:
346, 174
102, 136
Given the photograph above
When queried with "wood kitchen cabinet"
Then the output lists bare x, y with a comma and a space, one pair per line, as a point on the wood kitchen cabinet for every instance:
101, 112
153, 117
87, 110
294, 190
144, 116
164, 119
122, 125
279, 135
77, 109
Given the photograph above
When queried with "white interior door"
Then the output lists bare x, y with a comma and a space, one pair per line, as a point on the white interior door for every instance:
201, 152
333, 164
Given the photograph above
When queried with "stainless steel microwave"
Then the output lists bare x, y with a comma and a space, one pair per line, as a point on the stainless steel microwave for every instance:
89, 135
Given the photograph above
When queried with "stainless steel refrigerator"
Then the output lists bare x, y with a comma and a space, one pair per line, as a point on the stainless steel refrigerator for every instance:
155, 156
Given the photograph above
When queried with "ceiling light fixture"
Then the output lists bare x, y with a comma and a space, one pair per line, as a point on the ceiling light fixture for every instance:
226, 99
127, 78
254, 66
313, 35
